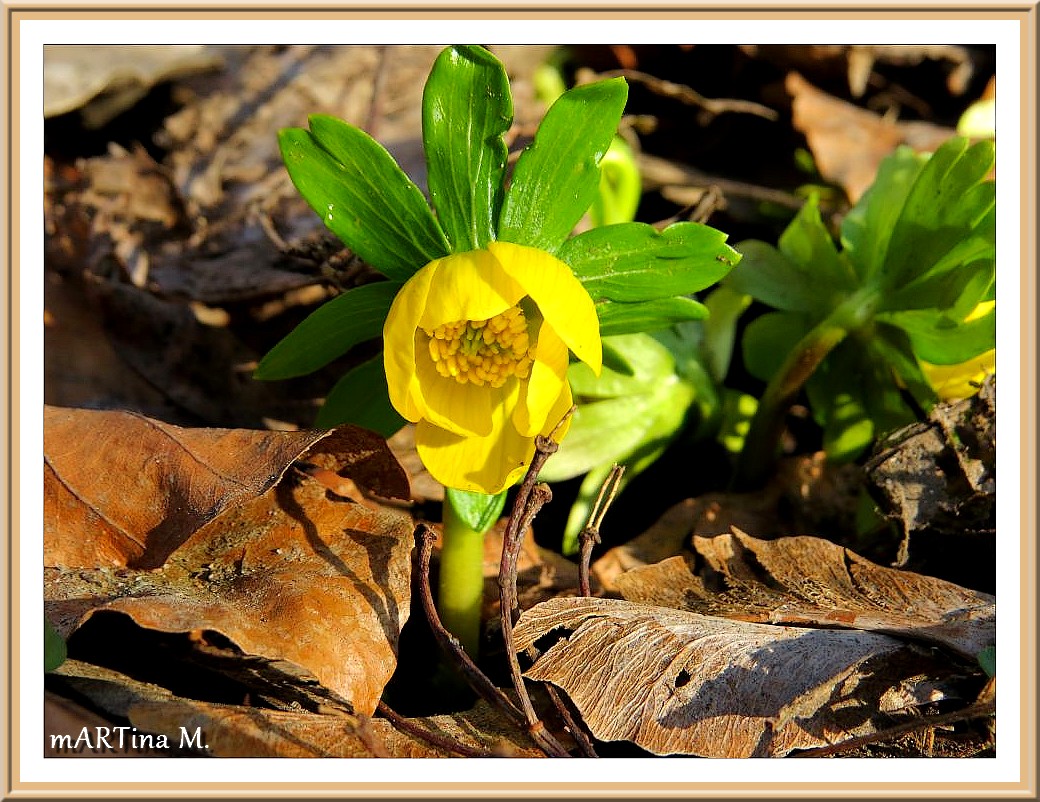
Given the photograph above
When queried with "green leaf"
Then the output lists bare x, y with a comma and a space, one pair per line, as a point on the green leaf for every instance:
635, 262
478, 511
770, 277
620, 318
467, 108
867, 228
330, 331
620, 188
938, 339
557, 176
957, 289
616, 404
54, 649
725, 305
807, 242
639, 363
944, 205
769, 339
361, 398
362, 196
601, 432
893, 346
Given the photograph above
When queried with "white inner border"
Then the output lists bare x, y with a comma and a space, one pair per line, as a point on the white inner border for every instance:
35, 34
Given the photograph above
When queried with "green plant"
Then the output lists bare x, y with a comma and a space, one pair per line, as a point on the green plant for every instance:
486, 295
854, 326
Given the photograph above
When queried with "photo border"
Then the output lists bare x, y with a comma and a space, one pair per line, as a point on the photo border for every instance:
23, 428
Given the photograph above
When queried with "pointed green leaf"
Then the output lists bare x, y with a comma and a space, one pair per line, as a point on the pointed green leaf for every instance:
957, 289
893, 346
635, 262
362, 196
557, 176
361, 398
944, 205
807, 242
467, 108
938, 339
478, 511
725, 305
621, 318
770, 277
867, 228
769, 339
646, 362
330, 331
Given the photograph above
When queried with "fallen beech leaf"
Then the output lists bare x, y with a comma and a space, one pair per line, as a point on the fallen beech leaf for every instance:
236, 731
121, 489
811, 581
481, 727
848, 142
291, 575
675, 682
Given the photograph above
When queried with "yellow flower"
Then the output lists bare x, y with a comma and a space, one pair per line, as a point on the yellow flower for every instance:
475, 351
964, 379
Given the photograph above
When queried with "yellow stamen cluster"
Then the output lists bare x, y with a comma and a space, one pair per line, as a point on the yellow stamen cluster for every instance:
483, 351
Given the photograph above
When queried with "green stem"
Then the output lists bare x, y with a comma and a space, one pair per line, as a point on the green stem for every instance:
461, 587
760, 446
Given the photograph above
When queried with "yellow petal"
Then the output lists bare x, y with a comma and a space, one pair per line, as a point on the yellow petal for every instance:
478, 464
469, 286
962, 380
464, 409
541, 391
399, 343
561, 298
560, 408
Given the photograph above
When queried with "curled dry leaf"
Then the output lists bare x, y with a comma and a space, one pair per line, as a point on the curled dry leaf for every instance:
286, 571
808, 581
676, 682
121, 489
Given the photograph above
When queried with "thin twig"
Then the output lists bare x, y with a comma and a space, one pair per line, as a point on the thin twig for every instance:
438, 741
530, 498
449, 643
375, 106
976, 710
576, 727
691, 97
589, 536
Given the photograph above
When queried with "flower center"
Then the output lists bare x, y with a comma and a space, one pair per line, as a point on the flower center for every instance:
483, 351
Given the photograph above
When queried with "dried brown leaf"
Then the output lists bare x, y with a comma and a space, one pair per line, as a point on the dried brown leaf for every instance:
675, 682
288, 572
121, 489
810, 581
848, 142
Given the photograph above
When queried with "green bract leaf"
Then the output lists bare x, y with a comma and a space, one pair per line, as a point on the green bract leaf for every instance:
769, 339
330, 331
362, 196
770, 277
639, 362
647, 407
867, 228
806, 241
478, 511
938, 339
892, 345
956, 290
361, 398
635, 262
619, 318
467, 108
725, 305
557, 176
944, 205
